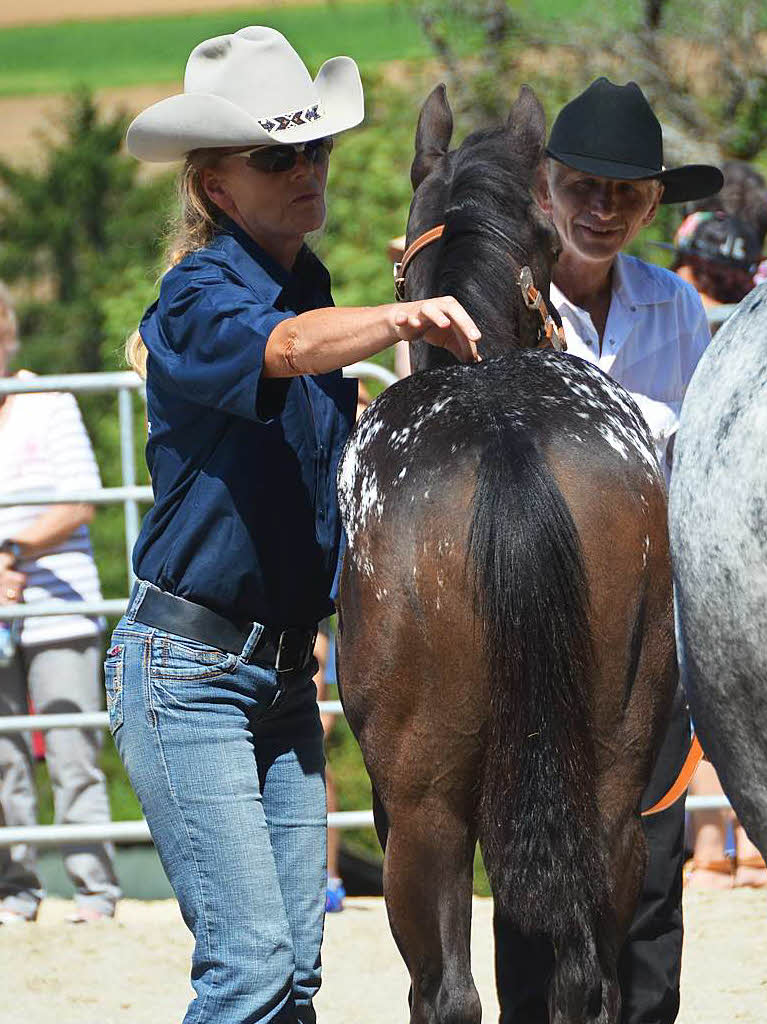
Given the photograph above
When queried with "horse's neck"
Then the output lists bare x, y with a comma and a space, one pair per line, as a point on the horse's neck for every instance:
515, 328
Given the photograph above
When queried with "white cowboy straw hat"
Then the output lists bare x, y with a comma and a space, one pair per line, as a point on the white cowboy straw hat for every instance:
248, 88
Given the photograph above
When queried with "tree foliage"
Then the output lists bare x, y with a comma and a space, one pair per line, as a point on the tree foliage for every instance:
702, 64
69, 230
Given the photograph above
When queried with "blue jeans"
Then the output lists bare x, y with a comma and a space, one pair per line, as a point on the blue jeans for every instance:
226, 759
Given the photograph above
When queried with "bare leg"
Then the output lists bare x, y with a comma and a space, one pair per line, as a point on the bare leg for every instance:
751, 870
321, 653
711, 868
334, 838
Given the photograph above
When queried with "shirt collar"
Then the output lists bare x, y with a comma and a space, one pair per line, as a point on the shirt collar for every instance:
307, 270
635, 283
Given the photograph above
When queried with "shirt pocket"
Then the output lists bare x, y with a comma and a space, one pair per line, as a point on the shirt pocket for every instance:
179, 658
113, 682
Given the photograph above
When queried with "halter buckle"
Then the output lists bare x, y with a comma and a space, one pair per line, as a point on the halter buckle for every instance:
399, 282
530, 293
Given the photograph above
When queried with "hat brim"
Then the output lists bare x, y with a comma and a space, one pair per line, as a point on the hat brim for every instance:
680, 184
170, 129
691, 182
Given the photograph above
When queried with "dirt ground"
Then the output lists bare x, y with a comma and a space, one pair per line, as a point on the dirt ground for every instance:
27, 120
134, 970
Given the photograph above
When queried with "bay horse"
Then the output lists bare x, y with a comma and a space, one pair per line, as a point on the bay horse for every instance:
718, 517
506, 643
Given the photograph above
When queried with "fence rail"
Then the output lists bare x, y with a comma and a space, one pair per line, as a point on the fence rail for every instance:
102, 496
129, 831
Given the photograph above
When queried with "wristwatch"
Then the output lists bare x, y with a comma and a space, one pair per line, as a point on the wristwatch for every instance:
12, 548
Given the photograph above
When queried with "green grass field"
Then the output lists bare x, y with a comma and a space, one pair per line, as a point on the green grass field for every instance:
122, 52
126, 52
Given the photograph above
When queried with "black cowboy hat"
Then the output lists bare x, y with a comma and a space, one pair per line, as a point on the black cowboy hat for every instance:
610, 131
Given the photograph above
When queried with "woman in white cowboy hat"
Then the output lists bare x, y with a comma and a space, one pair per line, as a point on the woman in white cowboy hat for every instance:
209, 676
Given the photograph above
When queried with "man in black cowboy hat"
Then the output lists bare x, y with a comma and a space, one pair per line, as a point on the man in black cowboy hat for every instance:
603, 183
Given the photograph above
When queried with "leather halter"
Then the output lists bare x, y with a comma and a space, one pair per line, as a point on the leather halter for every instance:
407, 257
553, 336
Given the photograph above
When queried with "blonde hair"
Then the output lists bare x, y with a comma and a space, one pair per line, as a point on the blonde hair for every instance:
194, 226
9, 338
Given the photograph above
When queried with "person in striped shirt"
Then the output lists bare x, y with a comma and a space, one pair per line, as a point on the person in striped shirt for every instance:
45, 555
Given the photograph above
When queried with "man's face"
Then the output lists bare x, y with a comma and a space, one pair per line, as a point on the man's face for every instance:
597, 217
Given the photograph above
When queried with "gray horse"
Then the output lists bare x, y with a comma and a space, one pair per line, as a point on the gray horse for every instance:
718, 514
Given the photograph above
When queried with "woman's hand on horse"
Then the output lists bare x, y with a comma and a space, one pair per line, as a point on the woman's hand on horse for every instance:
442, 322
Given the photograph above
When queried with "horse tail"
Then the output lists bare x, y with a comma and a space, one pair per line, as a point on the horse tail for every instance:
539, 826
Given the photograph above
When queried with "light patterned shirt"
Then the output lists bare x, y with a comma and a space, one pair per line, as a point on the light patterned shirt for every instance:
655, 334
44, 447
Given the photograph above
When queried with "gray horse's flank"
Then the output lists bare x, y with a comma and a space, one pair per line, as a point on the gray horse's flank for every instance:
718, 514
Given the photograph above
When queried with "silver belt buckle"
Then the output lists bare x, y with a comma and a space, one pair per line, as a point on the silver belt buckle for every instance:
284, 646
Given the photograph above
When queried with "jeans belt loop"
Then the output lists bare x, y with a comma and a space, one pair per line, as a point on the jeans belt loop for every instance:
252, 643
140, 588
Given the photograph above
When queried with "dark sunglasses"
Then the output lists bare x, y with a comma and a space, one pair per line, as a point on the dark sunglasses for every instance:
275, 159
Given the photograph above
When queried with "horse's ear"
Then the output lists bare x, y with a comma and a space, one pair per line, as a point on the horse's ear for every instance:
527, 122
433, 134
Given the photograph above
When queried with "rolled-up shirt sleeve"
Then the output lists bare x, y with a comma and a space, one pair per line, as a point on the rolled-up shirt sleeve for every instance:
206, 338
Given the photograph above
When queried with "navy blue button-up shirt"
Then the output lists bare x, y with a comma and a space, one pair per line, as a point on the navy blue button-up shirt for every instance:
245, 519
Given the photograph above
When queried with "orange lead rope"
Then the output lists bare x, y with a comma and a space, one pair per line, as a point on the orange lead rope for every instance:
683, 780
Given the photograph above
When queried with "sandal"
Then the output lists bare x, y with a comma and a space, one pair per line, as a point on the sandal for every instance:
755, 864
695, 879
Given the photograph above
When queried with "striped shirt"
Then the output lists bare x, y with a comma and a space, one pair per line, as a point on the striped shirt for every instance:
44, 447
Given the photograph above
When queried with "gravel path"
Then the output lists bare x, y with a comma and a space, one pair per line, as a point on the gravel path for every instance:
134, 970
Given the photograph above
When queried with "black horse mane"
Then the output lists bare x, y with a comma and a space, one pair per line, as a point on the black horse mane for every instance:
486, 221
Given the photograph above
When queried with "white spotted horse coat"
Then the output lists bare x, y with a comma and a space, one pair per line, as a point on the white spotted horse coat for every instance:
718, 516
608, 418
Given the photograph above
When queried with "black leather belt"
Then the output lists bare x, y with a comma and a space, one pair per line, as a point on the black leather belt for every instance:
286, 649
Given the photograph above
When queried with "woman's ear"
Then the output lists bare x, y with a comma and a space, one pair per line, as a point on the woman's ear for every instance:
216, 190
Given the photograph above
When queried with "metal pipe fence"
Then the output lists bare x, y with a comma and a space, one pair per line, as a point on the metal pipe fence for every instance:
131, 495
717, 315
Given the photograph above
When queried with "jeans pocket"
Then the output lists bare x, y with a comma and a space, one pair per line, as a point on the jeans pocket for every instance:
113, 682
179, 658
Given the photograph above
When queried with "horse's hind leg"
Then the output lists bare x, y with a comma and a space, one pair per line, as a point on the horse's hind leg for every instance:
428, 874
